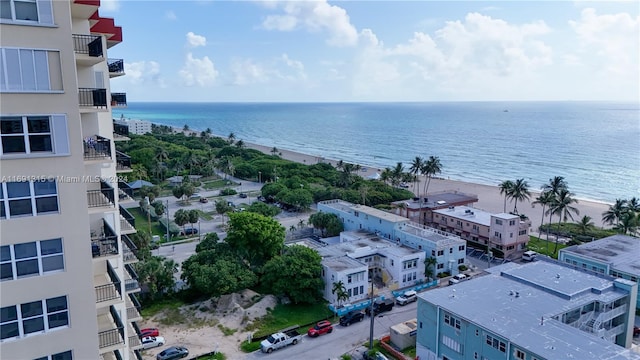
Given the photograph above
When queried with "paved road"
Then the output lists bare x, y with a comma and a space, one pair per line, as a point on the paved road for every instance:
343, 339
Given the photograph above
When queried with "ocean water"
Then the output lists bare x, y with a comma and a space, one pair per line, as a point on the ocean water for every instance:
594, 145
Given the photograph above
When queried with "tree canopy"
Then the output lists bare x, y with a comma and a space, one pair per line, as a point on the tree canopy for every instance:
254, 237
295, 274
328, 224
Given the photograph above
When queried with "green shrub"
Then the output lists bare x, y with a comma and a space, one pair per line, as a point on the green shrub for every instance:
462, 267
227, 191
250, 347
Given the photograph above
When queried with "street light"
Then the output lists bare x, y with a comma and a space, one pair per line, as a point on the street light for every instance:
372, 316
260, 177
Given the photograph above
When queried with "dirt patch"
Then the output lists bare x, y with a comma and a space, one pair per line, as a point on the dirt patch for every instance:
216, 324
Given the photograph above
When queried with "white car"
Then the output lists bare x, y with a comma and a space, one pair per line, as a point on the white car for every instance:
407, 297
149, 342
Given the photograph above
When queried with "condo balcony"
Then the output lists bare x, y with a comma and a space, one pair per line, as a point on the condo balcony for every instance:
102, 198
123, 162
89, 49
97, 148
134, 338
107, 287
131, 279
125, 192
118, 99
110, 331
133, 308
127, 222
120, 132
129, 250
116, 67
104, 242
92, 99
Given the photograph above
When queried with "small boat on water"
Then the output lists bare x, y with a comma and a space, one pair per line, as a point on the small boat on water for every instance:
505, 110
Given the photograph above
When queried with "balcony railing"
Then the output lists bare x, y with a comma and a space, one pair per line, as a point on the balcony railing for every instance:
110, 291
112, 336
128, 217
120, 129
123, 162
101, 198
129, 250
132, 283
133, 312
119, 99
88, 45
106, 244
116, 66
93, 97
137, 354
125, 189
96, 148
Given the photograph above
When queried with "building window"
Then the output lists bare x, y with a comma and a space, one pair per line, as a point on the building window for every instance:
512, 222
33, 317
440, 252
31, 259
25, 10
440, 266
452, 321
496, 344
59, 356
451, 343
498, 222
520, 355
409, 264
34, 134
477, 332
433, 253
461, 248
450, 250
461, 261
361, 289
28, 198
522, 232
30, 70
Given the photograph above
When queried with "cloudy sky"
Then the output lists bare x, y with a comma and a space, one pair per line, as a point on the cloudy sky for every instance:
235, 51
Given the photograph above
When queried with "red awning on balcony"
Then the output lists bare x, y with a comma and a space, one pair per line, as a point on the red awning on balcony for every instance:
107, 27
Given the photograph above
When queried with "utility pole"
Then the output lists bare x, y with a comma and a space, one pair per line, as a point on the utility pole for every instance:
372, 316
167, 211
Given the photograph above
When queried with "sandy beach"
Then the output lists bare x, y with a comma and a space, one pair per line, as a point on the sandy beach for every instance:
489, 198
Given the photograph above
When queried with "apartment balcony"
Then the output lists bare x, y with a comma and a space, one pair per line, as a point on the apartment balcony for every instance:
116, 67
97, 148
129, 250
136, 355
92, 99
105, 243
107, 287
133, 308
84, 8
110, 331
101, 199
118, 99
123, 162
115, 355
134, 338
125, 192
89, 49
120, 132
127, 222
131, 279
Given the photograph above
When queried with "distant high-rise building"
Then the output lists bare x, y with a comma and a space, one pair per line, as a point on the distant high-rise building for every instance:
67, 286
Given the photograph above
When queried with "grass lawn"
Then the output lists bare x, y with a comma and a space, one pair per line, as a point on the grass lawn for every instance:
151, 309
142, 223
284, 316
215, 184
544, 247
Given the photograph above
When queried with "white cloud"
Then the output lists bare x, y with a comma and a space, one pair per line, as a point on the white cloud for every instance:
144, 72
194, 40
611, 40
198, 72
315, 16
170, 15
246, 71
294, 69
109, 5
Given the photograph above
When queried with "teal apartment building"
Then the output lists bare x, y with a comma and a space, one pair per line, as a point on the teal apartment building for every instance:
544, 310
617, 255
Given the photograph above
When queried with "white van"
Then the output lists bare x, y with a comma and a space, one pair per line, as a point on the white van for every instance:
457, 278
529, 255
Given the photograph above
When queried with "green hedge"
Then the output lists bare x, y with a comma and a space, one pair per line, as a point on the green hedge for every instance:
173, 228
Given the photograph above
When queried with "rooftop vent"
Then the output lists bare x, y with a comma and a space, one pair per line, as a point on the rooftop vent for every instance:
517, 294
557, 276
467, 211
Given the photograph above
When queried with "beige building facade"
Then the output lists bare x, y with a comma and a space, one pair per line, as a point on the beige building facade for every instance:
67, 286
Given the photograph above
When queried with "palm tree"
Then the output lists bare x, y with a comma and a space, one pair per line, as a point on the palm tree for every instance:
555, 185
628, 223
633, 204
432, 167
301, 224
396, 174
416, 165
429, 266
506, 189
546, 198
585, 224
615, 212
231, 138
185, 127
240, 144
385, 175
519, 192
274, 151
563, 208
340, 290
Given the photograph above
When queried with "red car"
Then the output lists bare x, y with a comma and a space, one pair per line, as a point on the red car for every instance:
149, 332
323, 327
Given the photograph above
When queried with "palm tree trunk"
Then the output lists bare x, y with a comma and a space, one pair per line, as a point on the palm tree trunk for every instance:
504, 209
555, 248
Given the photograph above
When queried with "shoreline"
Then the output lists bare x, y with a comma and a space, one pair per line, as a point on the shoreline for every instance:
489, 197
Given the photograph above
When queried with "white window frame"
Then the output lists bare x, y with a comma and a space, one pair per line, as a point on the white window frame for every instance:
25, 134
58, 131
44, 315
24, 64
62, 355
39, 257
44, 11
5, 200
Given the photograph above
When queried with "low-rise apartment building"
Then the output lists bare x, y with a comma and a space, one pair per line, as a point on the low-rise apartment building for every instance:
420, 209
138, 127
543, 310
504, 232
617, 255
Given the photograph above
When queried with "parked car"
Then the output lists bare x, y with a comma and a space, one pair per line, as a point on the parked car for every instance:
174, 352
529, 255
321, 328
279, 340
149, 332
204, 200
195, 196
243, 195
149, 342
380, 306
189, 231
351, 317
408, 297
457, 278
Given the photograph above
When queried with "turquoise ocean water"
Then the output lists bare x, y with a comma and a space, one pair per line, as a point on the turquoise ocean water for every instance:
594, 145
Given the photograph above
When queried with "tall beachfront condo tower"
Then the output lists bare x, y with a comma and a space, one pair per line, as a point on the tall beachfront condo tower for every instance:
67, 286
